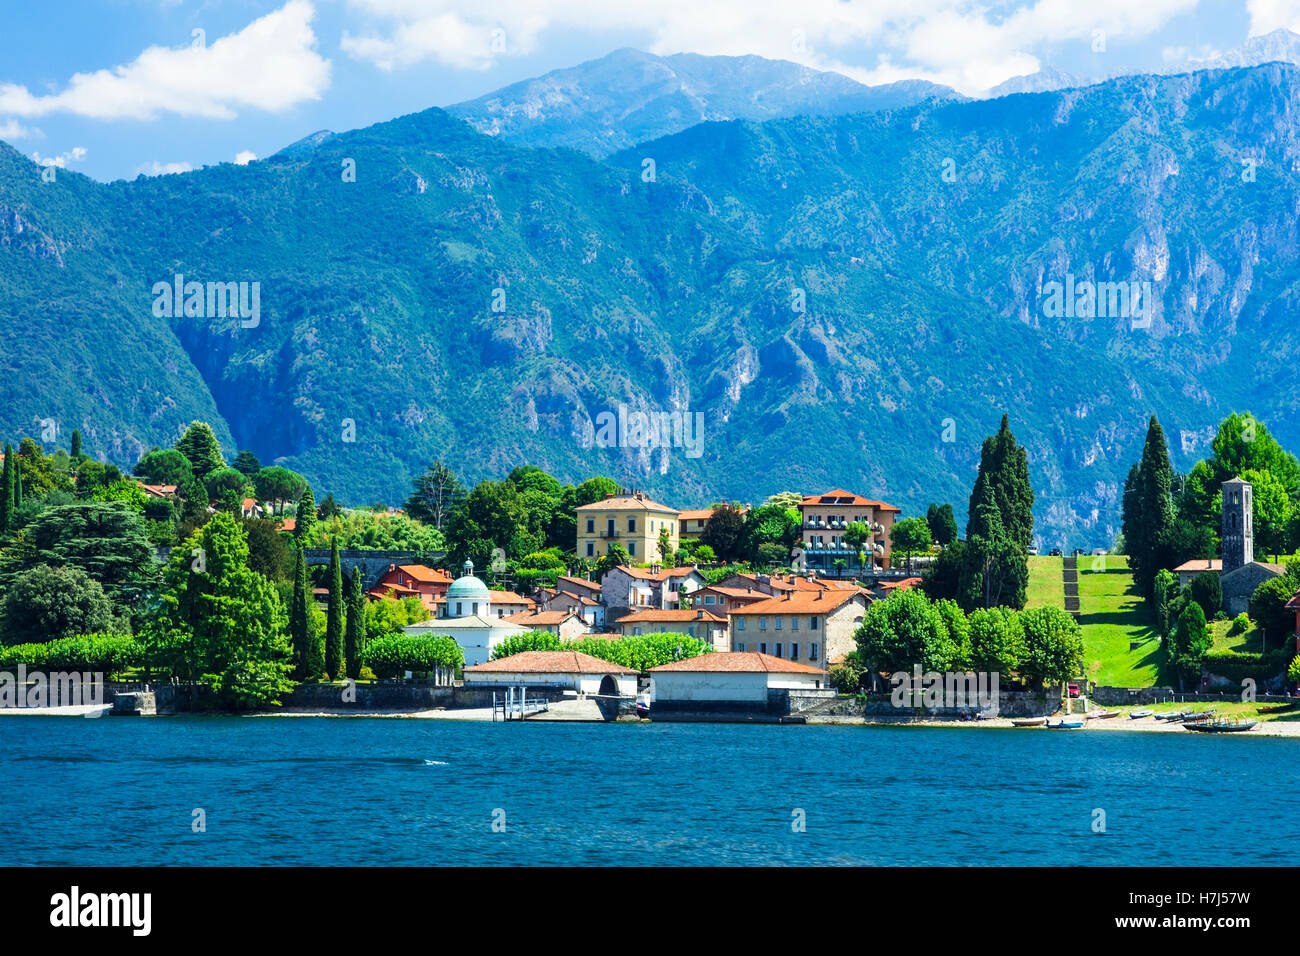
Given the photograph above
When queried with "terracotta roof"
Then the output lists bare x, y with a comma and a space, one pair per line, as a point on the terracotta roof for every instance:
747, 593
581, 582
801, 602
645, 574
684, 616
549, 662
510, 597
287, 524
841, 497
382, 589
627, 503
1200, 564
737, 662
696, 514
428, 575
158, 491
904, 585
541, 618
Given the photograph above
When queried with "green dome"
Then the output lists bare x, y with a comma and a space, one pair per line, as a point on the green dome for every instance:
468, 587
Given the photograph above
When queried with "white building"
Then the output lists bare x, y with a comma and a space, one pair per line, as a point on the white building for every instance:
477, 635
729, 681
568, 670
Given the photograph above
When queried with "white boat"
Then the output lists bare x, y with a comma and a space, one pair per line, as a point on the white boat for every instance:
1138, 714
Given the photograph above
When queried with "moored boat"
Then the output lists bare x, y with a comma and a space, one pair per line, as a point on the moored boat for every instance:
1139, 714
1028, 721
1172, 715
1198, 717
1073, 724
1222, 726
1101, 714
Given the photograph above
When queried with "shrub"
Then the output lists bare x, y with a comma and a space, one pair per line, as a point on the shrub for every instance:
1240, 624
846, 677
392, 655
109, 654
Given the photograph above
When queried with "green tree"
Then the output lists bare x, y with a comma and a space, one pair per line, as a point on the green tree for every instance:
354, 637
1207, 592
75, 451
494, 515
1268, 603
774, 525
334, 661
247, 464
617, 555
164, 467
306, 516
666, 546
268, 551
1053, 646
222, 480
219, 623
1189, 644
943, 523
994, 569
436, 494
1148, 508
997, 640
200, 447
107, 540
595, 489
705, 555
49, 603
279, 485
904, 630
7, 506
910, 536
300, 633
1165, 589
1272, 508
1003, 480
723, 531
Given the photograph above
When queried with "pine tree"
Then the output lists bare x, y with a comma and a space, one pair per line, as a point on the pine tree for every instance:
334, 663
75, 450
306, 515
300, 620
7, 489
1149, 508
356, 624
200, 446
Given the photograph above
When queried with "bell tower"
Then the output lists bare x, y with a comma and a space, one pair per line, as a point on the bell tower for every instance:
1238, 535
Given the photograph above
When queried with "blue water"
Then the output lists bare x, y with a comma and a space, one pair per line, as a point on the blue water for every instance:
321, 791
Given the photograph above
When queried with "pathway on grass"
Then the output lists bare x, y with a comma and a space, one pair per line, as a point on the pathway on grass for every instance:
1121, 648
1070, 578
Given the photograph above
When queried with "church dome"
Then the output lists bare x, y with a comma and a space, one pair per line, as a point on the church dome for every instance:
468, 588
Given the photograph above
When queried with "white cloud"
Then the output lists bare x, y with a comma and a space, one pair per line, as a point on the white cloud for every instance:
1269, 15
245, 157
270, 65
156, 168
12, 129
74, 155
968, 44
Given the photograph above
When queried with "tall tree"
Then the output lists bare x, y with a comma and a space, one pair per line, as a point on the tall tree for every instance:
335, 622
1149, 508
353, 637
164, 467
910, 536
75, 448
1003, 479
199, 445
435, 494
247, 463
943, 524
7, 494
306, 516
300, 632
723, 532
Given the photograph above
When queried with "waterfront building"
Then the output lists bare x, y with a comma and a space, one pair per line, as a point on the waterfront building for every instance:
725, 684
824, 519
566, 670
630, 519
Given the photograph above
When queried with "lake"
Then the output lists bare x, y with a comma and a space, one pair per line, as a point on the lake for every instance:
357, 791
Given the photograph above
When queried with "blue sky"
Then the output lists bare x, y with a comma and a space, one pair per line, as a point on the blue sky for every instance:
120, 87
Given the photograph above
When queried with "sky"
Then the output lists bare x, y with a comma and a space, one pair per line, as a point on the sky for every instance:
120, 88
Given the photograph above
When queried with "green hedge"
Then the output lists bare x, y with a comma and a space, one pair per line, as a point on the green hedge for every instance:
108, 654
1237, 667
397, 653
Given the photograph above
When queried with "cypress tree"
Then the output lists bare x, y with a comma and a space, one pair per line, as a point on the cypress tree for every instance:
7, 489
18, 484
75, 451
300, 621
306, 515
356, 624
1149, 508
1003, 480
334, 664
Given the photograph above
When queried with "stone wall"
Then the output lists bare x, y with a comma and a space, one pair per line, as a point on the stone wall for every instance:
376, 697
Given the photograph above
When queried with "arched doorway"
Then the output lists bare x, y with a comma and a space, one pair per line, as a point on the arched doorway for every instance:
608, 699
608, 686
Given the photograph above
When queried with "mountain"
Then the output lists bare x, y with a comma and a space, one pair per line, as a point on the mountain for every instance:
1280, 46
627, 97
849, 301
1045, 80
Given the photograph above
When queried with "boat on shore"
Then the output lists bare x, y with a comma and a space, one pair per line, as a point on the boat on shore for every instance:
1199, 717
1028, 721
1101, 714
1139, 714
1173, 715
1063, 724
1222, 726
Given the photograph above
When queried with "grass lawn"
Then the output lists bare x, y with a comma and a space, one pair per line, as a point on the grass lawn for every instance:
1247, 642
1045, 586
1114, 616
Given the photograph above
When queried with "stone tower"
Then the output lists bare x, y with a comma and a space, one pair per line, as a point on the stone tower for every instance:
1237, 534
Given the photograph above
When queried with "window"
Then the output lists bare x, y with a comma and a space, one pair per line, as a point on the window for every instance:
631, 547
631, 525
777, 649
458, 613
762, 622
740, 626
794, 622
779, 619
591, 549
812, 652
762, 647
794, 652
740, 648
812, 623
591, 526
